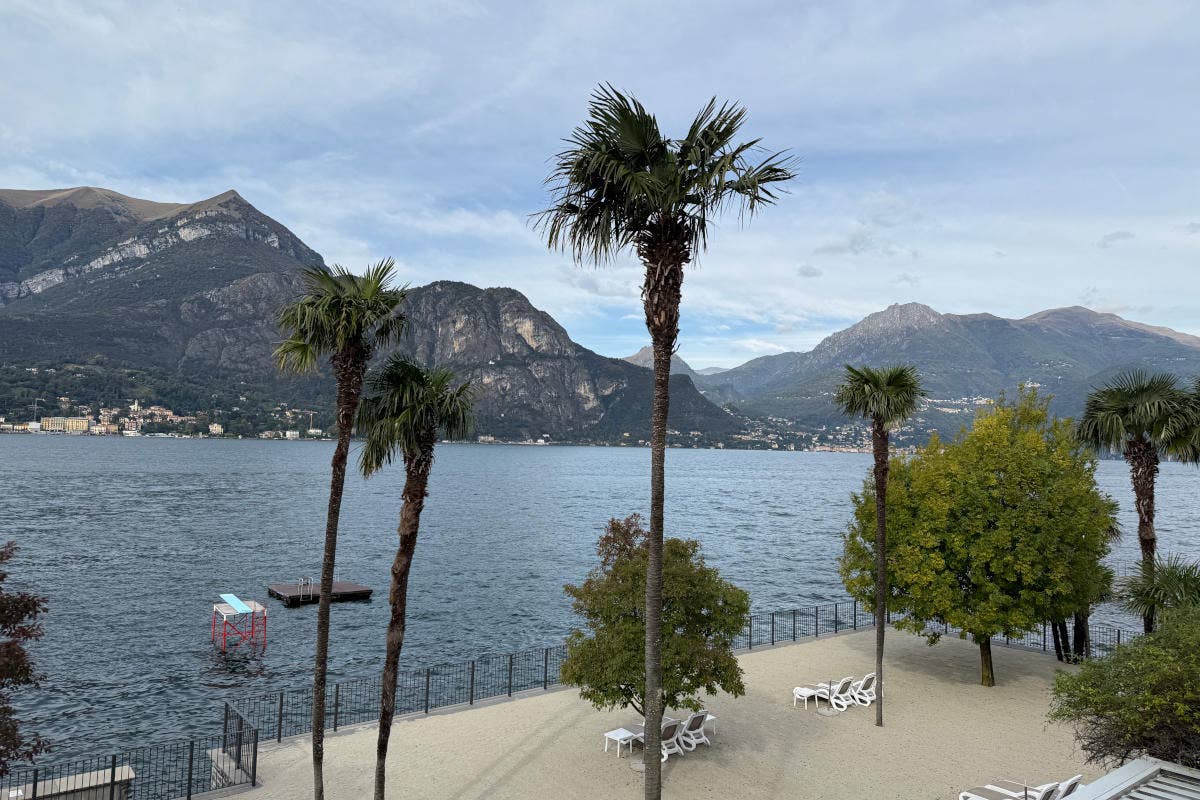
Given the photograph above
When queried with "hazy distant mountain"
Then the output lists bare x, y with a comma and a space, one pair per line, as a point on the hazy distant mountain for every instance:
1066, 351
533, 379
712, 370
645, 358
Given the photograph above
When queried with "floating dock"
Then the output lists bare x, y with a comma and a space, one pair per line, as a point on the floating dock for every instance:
303, 592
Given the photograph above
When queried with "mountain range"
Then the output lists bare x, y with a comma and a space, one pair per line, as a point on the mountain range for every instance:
106, 298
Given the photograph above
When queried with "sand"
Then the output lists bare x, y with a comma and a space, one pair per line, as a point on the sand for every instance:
943, 733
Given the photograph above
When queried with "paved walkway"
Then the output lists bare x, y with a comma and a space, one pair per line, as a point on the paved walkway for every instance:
944, 733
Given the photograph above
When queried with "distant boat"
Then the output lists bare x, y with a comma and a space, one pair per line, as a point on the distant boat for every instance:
131, 433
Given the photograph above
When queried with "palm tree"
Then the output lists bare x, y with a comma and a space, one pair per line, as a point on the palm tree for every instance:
887, 397
1146, 417
408, 407
344, 316
1173, 584
622, 185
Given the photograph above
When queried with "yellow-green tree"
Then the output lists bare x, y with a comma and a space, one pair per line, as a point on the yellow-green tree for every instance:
991, 534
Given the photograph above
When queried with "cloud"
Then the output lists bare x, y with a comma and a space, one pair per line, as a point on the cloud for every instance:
907, 279
1109, 239
809, 271
1192, 227
759, 345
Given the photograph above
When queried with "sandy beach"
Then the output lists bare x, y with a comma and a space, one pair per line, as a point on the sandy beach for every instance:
943, 733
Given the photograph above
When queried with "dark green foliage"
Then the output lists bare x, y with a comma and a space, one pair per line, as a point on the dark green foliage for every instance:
701, 615
1141, 699
19, 612
993, 533
1172, 586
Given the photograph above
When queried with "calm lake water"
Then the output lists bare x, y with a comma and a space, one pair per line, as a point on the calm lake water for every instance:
131, 541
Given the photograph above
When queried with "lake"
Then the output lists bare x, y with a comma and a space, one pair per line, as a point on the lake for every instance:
131, 541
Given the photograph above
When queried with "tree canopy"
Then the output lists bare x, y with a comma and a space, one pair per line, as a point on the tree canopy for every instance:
702, 613
1141, 699
991, 534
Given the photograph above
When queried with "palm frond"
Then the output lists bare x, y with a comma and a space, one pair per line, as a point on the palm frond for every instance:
406, 409
1170, 584
340, 311
1136, 405
890, 395
620, 178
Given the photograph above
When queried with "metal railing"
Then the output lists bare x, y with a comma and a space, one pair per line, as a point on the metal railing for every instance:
185, 768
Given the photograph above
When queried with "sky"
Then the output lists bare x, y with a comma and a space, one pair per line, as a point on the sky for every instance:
1005, 157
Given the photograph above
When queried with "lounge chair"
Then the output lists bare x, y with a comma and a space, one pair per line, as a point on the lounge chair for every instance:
669, 738
692, 732
838, 695
864, 690
991, 792
1018, 790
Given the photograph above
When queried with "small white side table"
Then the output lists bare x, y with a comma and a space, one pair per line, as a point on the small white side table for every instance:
620, 736
802, 693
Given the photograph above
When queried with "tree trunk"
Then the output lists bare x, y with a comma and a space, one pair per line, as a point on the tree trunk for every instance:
1060, 649
416, 481
1143, 470
988, 675
879, 444
1060, 630
664, 258
348, 369
1081, 640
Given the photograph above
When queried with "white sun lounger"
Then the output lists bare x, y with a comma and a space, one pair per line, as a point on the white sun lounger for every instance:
670, 742
1019, 790
839, 696
864, 690
989, 792
692, 733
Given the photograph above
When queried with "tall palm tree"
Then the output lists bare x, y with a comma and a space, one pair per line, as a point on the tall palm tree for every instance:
408, 407
1145, 417
621, 185
887, 397
344, 316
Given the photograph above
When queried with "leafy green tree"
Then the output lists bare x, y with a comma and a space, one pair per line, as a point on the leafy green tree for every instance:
887, 397
1141, 699
344, 316
19, 612
991, 534
622, 185
701, 616
1173, 585
408, 406
1145, 417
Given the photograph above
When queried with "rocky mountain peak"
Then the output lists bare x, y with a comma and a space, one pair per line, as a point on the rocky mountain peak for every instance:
645, 358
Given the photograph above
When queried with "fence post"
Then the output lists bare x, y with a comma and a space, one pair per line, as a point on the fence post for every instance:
1118, 637
816, 621
337, 704
112, 779
793, 624
240, 726
471, 700
427, 673
546, 669
225, 729
1043, 637
772, 628
835, 617
35, 783
191, 762
279, 720
254, 761
855, 607
750, 625
510, 665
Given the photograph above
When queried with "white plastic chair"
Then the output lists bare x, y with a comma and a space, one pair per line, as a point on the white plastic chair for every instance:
992, 792
692, 733
1018, 790
669, 738
864, 690
839, 695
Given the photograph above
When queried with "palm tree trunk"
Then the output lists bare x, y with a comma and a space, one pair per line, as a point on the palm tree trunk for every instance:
416, 481
879, 444
1143, 470
987, 673
1081, 644
348, 370
661, 295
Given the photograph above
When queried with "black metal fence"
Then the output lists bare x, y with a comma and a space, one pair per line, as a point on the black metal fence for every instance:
186, 768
